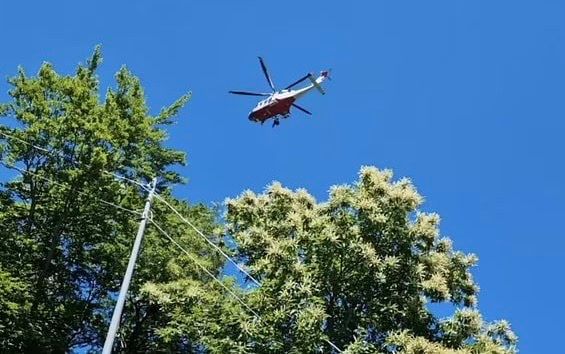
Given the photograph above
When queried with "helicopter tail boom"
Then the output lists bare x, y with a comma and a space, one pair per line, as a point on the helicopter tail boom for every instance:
318, 81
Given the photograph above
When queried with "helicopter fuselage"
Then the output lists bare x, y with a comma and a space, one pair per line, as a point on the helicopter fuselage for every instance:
277, 105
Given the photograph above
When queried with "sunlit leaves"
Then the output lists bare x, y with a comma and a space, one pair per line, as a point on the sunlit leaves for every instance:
371, 260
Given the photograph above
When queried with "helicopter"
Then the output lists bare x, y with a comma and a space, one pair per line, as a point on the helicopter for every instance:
278, 102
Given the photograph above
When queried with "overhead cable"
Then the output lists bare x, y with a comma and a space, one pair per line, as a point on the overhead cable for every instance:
60, 154
14, 167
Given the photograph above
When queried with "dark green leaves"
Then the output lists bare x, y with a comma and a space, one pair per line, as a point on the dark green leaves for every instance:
63, 251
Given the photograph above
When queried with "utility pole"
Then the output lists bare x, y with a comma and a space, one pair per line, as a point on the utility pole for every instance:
115, 324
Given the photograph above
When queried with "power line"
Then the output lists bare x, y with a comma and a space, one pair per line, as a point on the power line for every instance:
23, 141
144, 186
200, 233
115, 175
204, 269
14, 167
219, 281
60, 154
335, 347
257, 282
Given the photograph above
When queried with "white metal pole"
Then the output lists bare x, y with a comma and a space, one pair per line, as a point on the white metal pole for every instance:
115, 323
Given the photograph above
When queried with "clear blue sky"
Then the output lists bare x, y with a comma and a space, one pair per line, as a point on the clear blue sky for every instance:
464, 97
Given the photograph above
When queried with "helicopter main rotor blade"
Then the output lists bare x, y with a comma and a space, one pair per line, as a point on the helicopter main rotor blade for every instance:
298, 81
302, 109
247, 93
266, 72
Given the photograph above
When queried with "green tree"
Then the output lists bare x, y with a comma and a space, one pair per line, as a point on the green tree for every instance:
358, 270
63, 249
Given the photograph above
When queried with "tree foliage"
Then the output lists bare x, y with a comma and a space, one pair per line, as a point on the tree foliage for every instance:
63, 248
358, 271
